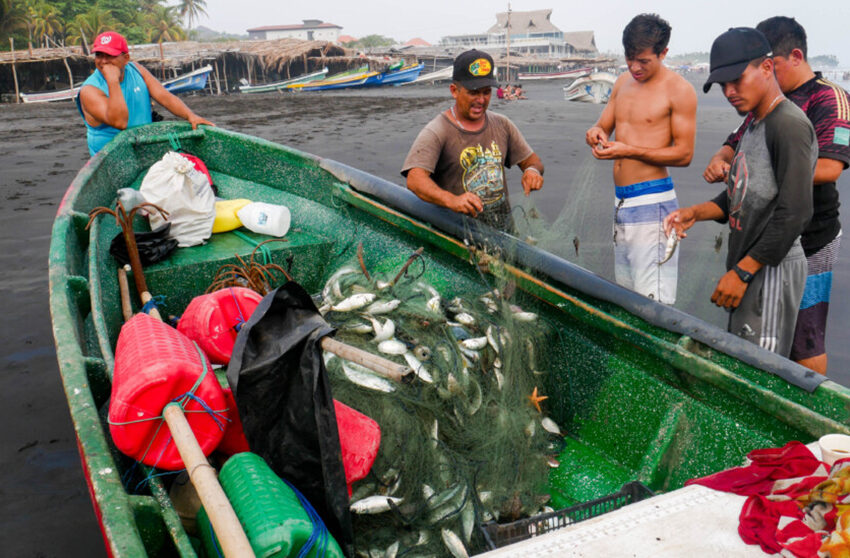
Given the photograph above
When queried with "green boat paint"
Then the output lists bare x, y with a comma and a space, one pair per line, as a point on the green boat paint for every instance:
642, 392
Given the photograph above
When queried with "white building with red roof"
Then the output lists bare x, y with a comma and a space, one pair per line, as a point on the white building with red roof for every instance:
310, 30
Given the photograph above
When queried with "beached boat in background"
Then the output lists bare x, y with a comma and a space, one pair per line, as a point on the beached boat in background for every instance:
48, 96
405, 74
193, 81
278, 85
594, 88
642, 391
567, 74
344, 79
431, 77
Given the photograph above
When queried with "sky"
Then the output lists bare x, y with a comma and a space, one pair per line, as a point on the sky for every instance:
695, 22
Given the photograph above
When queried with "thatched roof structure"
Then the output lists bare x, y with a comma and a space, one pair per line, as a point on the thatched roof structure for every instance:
271, 55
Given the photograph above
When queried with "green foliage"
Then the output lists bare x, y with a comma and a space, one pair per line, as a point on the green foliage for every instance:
824, 61
67, 21
370, 41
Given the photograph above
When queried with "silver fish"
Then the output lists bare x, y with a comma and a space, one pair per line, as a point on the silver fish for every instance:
550, 425
464, 318
467, 520
381, 285
418, 369
374, 504
382, 332
353, 302
357, 327
454, 544
433, 304
427, 492
333, 281
491, 338
672, 243
474, 343
383, 307
392, 347
392, 550
359, 375
525, 316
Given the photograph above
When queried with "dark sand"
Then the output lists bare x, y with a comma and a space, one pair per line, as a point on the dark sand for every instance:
44, 504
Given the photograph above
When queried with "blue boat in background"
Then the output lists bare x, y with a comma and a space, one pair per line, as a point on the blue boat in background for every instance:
193, 81
395, 77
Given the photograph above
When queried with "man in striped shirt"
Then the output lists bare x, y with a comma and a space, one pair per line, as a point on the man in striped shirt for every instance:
828, 108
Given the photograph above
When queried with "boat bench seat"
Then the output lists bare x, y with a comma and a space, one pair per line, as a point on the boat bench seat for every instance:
188, 272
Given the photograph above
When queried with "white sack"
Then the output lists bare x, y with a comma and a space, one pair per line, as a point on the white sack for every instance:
176, 186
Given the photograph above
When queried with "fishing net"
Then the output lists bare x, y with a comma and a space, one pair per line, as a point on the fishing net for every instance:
464, 439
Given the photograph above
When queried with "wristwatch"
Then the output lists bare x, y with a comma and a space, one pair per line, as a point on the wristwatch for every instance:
743, 275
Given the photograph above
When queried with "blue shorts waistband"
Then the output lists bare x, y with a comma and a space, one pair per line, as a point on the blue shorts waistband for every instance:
642, 188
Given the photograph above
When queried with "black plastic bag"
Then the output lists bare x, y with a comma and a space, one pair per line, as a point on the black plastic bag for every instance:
153, 245
283, 394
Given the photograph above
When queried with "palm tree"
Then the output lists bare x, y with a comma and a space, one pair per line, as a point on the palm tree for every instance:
191, 9
47, 22
164, 25
90, 24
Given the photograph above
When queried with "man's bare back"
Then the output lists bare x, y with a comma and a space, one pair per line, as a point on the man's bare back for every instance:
655, 125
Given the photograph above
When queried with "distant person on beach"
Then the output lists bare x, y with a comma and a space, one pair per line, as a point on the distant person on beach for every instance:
500, 92
458, 160
768, 195
518, 94
653, 111
828, 107
118, 94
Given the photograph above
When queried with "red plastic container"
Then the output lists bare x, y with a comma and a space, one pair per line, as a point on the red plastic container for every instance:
359, 438
211, 320
234, 440
154, 364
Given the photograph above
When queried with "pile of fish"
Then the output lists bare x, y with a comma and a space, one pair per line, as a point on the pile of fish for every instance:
464, 439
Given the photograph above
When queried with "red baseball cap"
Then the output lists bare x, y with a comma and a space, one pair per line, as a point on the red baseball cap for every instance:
111, 43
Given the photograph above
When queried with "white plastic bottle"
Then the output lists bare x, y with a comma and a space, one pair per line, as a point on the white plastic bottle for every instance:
265, 218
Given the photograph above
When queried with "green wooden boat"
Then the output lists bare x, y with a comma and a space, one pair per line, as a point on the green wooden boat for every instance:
637, 386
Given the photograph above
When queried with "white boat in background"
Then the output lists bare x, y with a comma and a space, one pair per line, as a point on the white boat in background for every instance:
278, 85
595, 88
47, 96
567, 74
193, 81
439, 75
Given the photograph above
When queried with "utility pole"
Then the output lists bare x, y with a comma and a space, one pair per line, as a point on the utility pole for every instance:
508, 45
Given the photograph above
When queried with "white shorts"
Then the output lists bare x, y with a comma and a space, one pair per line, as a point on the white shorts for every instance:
640, 244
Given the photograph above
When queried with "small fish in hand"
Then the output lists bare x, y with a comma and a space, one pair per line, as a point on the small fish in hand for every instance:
672, 243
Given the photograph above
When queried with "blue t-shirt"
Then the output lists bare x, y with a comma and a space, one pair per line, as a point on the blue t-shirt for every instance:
138, 100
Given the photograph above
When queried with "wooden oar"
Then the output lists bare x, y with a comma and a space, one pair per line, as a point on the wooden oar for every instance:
225, 523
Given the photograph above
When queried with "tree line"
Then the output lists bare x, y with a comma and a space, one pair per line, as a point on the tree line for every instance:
42, 23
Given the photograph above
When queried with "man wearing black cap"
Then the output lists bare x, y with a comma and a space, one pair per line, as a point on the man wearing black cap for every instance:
768, 199
828, 107
458, 160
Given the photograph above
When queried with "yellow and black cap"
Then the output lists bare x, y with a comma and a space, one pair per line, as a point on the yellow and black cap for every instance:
474, 69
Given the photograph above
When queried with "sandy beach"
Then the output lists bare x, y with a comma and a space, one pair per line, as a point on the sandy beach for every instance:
44, 504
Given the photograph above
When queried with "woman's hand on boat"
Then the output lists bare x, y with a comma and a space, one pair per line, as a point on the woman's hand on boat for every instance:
468, 204
730, 290
680, 220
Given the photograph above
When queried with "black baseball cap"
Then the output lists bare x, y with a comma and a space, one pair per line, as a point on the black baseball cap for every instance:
732, 51
474, 69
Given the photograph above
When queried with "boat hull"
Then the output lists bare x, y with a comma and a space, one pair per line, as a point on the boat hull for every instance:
571, 74
50, 96
194, 81
635, 385
268, 87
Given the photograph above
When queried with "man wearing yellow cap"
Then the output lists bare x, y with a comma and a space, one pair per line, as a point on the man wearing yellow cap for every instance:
458, 160
118, 94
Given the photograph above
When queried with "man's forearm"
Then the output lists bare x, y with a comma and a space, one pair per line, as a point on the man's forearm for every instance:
672, 156
708, 211
428, 190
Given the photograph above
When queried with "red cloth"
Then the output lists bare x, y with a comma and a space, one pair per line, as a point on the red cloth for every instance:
768, 465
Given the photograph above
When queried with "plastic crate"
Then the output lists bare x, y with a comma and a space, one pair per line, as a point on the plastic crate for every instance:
497, 535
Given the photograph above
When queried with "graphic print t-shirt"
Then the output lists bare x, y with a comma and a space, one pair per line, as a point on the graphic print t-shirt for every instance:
463, 161
768, 199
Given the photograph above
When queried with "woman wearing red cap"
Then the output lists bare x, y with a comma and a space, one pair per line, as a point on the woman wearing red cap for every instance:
118, 94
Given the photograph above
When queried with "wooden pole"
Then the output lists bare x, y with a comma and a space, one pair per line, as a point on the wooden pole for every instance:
85, 42
217, 81
225, 523
14, 72
224, 71
508, 49
375, 363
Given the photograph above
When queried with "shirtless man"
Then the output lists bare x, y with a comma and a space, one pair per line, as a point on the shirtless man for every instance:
653, 111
